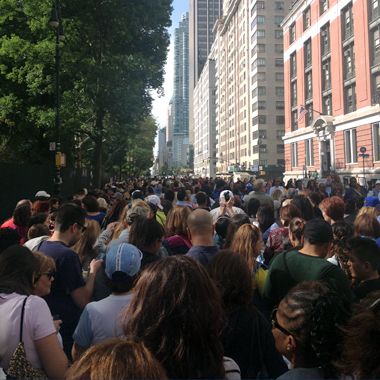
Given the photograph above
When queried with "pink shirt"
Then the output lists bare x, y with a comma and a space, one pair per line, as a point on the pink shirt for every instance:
38, 324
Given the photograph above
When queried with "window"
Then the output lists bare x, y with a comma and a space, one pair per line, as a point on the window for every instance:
376, 88
308, 85
279, 5
323, 6
261, 48
376, 141
278, 20
255, 134
309, 115
309, 152
293, 97
294, 154
307, 53
292, 32
325, 39
306, 18
280, 105
375, 44
263, 120
279, 62
260, 33
326, 78
280, 133
280, 120
261, 62
255, 149
294, 120
326, 105
262, 91
263, 148
261, 20
278, 48
280, 91
280, 148
350, 98
263, 162
262, 134
293, 65
348, 62
262, 104
374, 9
278, 34
347, 22
279, 76
350, 146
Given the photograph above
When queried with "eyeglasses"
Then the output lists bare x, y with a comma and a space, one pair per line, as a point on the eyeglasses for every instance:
84, 228
276, 325
49, 274
374, 304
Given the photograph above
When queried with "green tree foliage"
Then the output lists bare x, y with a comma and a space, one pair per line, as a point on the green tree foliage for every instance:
112, 58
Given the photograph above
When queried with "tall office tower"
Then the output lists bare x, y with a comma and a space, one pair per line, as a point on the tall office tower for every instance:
180, 142
250, 92
169, 135
202, 18
332, 89
162, 150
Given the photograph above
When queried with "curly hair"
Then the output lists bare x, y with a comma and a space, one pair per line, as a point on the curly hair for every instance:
247, 242
176, 312
314, 314
361, 348
296, 228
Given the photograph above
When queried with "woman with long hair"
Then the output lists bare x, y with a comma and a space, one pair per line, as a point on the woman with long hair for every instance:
27, 329
177, 241
176, 312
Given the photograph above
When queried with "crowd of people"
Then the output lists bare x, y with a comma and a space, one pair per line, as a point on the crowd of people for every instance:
169, 278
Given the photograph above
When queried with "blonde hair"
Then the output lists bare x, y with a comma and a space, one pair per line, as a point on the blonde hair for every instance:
46, 263
368, 211
117, 359
247, 243
85, 246
176, 223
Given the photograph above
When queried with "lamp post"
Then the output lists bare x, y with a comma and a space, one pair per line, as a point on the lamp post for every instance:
56, 23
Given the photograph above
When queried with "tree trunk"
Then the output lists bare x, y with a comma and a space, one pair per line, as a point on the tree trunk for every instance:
98, 151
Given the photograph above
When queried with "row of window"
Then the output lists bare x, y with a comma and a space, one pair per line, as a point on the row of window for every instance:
351, 148
260, 20
278, 5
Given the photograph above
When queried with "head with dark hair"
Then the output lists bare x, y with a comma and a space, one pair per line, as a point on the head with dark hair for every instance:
40, 207
265, 217
67, 215
332, 209
361, 348
304, 206
236, 221
289, 212
221, 226
318, 232
176, 222
367, 225
296, 230
146, 234
22, 213
315, 198
90, 203
248, 242
181, 194
364, 258
8, 237
18, 267
252, 207
39, 218
176, 312
202, 199
117, 359
233, 278
342, 231
38, 230
169, 195
306, 326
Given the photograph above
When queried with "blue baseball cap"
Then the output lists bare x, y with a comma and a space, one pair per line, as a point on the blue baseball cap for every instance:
124, 258
371, 201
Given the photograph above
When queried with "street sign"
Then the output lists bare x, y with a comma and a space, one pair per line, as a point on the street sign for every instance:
52, 146
363, 149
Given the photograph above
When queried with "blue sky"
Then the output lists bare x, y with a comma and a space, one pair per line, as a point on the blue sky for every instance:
160, 104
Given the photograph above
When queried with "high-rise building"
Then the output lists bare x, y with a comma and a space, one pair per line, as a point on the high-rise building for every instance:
180, 142
202, 18
249, 91
162, 150
332, 88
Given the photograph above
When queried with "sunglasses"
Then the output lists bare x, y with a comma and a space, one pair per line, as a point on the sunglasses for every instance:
84, 228
276, 325
49, 274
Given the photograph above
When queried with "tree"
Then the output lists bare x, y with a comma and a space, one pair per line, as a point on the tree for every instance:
112, 58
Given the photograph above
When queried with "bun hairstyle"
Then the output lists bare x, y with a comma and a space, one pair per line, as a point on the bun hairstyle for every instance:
297, 227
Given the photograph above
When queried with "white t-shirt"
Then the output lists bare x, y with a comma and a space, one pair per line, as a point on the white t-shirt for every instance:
38, 324
217, 212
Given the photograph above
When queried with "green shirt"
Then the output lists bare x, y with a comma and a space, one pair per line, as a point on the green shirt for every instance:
290, 268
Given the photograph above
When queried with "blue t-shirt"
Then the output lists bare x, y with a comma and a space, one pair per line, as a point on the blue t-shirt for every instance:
203, 254
101, 320
68, 277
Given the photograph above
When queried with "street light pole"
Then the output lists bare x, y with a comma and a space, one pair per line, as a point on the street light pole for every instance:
56, 23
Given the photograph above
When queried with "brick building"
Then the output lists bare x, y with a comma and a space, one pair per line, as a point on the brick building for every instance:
332, 87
